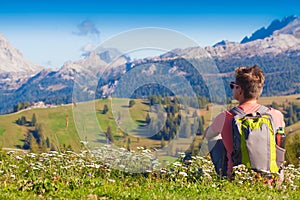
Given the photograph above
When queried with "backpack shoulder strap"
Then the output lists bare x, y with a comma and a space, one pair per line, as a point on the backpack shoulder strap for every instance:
262, 110
237, 111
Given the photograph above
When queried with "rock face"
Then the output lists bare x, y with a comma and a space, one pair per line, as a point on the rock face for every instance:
12, 60
274, 26
272, 42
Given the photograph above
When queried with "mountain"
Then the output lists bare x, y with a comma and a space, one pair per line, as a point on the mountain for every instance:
15, 70
274, 26
279, 37
99, 74
12, 60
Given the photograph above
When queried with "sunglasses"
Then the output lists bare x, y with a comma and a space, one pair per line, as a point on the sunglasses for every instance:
232, 84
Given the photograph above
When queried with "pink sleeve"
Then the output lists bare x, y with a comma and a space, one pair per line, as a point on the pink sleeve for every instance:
278, 118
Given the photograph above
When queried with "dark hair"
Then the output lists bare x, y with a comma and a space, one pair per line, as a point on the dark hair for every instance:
251, 80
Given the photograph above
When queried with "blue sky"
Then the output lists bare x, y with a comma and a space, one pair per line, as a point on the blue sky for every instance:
51, 32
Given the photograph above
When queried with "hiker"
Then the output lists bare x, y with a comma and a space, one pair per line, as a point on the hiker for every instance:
246, 88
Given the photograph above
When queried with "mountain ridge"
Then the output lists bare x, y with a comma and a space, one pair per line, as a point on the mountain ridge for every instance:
266, 32
278, 52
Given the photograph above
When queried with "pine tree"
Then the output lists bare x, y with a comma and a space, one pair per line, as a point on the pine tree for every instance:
186, 129
202, 120
43, 145
23, 120
18, 121
162, 143
109, 134
148, 119
27, 141
33, 120
200, 126
33, 144
105, 109
128, 144
131, 103
48, 142
39, 133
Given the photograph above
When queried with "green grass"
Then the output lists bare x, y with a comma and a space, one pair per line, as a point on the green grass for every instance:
54, 120
2, 130
279, 99
80, 176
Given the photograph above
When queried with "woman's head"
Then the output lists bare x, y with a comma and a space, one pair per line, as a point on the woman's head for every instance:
251, 80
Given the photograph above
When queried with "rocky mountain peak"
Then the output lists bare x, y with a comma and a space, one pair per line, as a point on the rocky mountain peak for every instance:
12, 60
224, 43
281, 36
276, 25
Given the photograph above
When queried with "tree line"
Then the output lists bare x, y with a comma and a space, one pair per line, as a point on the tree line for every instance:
35, 139
176, 125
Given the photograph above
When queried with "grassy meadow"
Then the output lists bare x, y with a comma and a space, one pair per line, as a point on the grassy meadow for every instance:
81, 174
59, 126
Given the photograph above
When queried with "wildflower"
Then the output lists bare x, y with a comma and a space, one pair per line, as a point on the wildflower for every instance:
177, 164
183, 173
97, 166
31, 155
14, 166
19, 158
10, 152
182, 154
122, 166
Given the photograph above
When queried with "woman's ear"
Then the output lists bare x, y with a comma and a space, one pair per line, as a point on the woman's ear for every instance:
241, 92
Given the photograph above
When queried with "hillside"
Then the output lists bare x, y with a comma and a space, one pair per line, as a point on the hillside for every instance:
54, 123
59, 126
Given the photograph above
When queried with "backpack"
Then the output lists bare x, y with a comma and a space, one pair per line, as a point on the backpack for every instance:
254, 141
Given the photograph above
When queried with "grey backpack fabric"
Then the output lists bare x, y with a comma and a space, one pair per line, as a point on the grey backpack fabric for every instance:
254, 140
